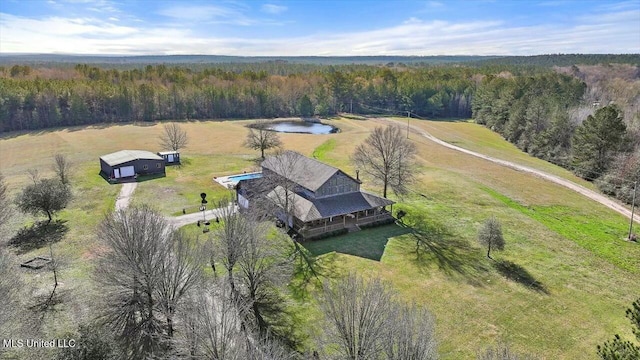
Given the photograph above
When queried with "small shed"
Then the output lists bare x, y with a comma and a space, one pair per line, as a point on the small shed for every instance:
128, 164
170, 157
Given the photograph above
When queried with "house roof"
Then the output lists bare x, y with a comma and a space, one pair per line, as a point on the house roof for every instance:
316, 209
168, 152
304, 171
123, 156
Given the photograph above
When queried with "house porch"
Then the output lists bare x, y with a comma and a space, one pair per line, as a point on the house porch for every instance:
315, 228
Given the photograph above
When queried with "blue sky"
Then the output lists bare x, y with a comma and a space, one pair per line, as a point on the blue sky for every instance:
320, 28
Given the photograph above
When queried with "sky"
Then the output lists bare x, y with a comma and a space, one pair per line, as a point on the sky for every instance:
319, 28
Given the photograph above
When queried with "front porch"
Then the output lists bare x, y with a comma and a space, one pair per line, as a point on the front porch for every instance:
316, 228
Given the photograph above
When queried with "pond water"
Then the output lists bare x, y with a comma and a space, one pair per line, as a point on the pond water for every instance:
302, 127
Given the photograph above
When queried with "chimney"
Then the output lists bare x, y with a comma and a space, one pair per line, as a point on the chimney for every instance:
358, 175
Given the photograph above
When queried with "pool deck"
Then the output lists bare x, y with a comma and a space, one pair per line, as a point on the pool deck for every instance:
229, 182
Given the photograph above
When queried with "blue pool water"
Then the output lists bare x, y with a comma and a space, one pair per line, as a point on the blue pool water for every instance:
237, 178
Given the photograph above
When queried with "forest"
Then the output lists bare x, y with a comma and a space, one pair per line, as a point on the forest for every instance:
541, 109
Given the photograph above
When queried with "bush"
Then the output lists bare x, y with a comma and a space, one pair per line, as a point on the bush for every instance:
329, 234
378, 223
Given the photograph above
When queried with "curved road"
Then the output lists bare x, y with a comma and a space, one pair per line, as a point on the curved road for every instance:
604, 200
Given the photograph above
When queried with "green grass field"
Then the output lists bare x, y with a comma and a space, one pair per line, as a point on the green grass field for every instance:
559, 289
478, 138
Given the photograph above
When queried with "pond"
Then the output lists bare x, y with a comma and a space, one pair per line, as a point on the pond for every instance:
301, 127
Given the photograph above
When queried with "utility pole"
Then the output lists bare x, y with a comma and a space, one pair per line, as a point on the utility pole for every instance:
408, 117
633, 207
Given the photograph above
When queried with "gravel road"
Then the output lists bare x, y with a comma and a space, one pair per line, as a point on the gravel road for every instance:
602, 199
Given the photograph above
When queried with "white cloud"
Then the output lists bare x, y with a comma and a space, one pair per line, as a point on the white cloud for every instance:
615, 32
273, 9
209, 13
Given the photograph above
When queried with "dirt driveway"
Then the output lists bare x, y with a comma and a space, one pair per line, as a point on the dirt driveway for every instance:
602, 199
122, 202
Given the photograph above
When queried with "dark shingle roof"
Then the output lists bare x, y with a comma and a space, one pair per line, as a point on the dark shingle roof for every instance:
123, 156
315, 209
308, 173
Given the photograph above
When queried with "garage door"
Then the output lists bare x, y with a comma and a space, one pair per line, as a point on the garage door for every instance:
127, 171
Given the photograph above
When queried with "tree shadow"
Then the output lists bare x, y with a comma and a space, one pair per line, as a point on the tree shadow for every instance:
454, 256
38, 235
517, 273
368, 243
307, 270
46, 304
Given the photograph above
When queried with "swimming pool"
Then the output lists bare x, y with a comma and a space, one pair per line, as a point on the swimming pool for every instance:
237, 178
232, 180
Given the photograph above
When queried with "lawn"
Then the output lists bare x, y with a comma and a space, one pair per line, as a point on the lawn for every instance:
367, 244
475, 137
559, 289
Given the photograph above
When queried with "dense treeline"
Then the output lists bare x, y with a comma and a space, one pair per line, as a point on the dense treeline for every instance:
550, 60
41, 98
546, 116
200, 62
530, 112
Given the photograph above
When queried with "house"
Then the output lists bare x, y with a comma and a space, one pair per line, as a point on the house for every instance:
170, 157
322, 200
128, 164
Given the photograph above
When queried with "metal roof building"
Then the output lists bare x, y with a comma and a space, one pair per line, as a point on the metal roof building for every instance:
128, 164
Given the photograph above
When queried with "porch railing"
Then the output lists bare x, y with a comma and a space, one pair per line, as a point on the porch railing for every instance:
362, 220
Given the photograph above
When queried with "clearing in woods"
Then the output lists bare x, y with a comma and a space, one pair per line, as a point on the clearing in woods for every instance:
559, 289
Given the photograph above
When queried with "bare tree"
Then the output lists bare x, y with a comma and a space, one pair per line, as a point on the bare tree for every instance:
411, 335
387, 156
358, 313
211, 323
265, 264
259, 138
62, 168
174, 137
143, 275
34, 175
179, 272
366, 321
232, 238
213, 328
9, 282
5, 203
490, 235
278, 186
